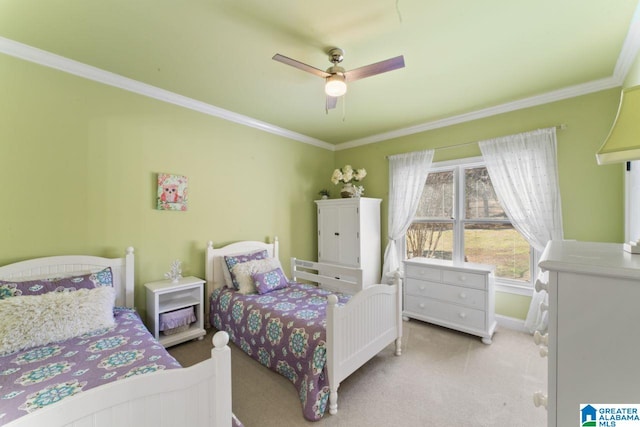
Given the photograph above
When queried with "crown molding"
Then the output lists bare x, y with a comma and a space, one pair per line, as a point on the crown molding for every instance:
51, 60
545, 98
630, 48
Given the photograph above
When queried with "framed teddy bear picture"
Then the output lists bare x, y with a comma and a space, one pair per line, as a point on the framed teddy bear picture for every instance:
172, 192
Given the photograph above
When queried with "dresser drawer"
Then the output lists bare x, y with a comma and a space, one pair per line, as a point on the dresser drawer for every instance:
423, 272
444, 313
463, 278
474, 298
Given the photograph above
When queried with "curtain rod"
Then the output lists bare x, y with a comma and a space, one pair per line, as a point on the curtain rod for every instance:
561, 126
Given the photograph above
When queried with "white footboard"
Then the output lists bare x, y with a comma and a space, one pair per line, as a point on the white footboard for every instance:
359, 330
198, 396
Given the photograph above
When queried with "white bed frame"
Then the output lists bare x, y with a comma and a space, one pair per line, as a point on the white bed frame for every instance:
356, 331
198, 396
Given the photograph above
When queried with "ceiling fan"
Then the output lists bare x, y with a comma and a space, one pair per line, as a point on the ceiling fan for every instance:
336, 78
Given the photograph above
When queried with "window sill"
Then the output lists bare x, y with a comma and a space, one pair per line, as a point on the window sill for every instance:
512, 288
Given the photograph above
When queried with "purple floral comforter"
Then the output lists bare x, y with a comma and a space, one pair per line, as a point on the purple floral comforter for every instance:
41, 376
284, 330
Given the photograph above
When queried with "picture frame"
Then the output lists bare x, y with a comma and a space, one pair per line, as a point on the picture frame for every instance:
172, 192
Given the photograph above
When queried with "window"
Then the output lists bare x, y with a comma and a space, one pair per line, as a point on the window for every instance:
460, 218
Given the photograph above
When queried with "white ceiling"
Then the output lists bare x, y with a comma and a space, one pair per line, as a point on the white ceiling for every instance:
464, 58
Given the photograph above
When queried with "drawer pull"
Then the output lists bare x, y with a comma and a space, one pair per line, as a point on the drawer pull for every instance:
463, 277
540, 339
463, 295
423, 287
544, 351
421, 305
539, 399
462, 315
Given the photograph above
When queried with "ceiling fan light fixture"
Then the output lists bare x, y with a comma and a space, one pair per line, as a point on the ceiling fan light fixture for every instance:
336, 77
335, 85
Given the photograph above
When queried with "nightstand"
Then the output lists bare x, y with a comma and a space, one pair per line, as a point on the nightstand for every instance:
164, 296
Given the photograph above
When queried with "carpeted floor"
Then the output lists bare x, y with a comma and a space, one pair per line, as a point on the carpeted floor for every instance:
443, 378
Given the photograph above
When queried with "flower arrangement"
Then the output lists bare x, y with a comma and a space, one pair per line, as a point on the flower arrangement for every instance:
347, 174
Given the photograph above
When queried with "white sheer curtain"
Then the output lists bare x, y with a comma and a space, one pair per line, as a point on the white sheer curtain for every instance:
407, 175
524, 173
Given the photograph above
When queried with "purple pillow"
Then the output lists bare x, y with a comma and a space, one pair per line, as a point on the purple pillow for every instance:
232, 260
270, 281
10, 289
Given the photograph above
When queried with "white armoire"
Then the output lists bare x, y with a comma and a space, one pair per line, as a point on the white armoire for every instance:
349, 234
594, 327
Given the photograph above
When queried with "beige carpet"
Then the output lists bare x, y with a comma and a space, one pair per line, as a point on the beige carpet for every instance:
443, 378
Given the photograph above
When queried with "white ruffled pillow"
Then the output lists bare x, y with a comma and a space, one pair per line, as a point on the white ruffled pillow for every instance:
36, 320
244, 272
229, 261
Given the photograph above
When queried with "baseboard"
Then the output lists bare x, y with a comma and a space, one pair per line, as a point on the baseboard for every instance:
511, 323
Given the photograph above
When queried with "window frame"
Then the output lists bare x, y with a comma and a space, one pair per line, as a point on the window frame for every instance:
458, 166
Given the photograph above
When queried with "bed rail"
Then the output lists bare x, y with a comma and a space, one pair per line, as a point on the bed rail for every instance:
332, 277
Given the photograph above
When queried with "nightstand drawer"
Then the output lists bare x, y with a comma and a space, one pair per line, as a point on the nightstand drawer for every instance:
464, 278
474, 298
446, 314
422, 272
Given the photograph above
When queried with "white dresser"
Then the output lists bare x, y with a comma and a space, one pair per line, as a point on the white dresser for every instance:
459, 297
594, 327
349, 234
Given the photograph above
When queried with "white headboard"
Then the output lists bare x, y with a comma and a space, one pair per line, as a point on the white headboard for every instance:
214, 262
67, 265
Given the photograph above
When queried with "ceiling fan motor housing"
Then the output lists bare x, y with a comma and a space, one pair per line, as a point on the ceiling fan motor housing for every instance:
336, 55
336, 70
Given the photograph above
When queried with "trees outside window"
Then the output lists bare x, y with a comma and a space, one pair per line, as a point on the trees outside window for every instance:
460, 218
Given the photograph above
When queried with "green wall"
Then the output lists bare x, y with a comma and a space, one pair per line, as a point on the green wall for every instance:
79, 159
592, 195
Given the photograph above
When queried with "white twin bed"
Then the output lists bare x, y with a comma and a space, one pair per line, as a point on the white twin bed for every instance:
357, 328
198, 396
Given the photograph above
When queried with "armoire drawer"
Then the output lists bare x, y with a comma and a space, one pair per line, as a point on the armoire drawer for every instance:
474, 298
445, 313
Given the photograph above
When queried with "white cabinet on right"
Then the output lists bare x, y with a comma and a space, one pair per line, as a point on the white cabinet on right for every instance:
594, 327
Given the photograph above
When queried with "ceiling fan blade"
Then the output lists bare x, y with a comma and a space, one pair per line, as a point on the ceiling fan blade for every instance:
331, 102
377, 68
301, 66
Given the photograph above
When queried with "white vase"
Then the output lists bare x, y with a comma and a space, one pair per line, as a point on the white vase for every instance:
347, 190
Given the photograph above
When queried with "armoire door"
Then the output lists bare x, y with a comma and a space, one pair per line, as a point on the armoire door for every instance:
329, 234
349, 226
338, 235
